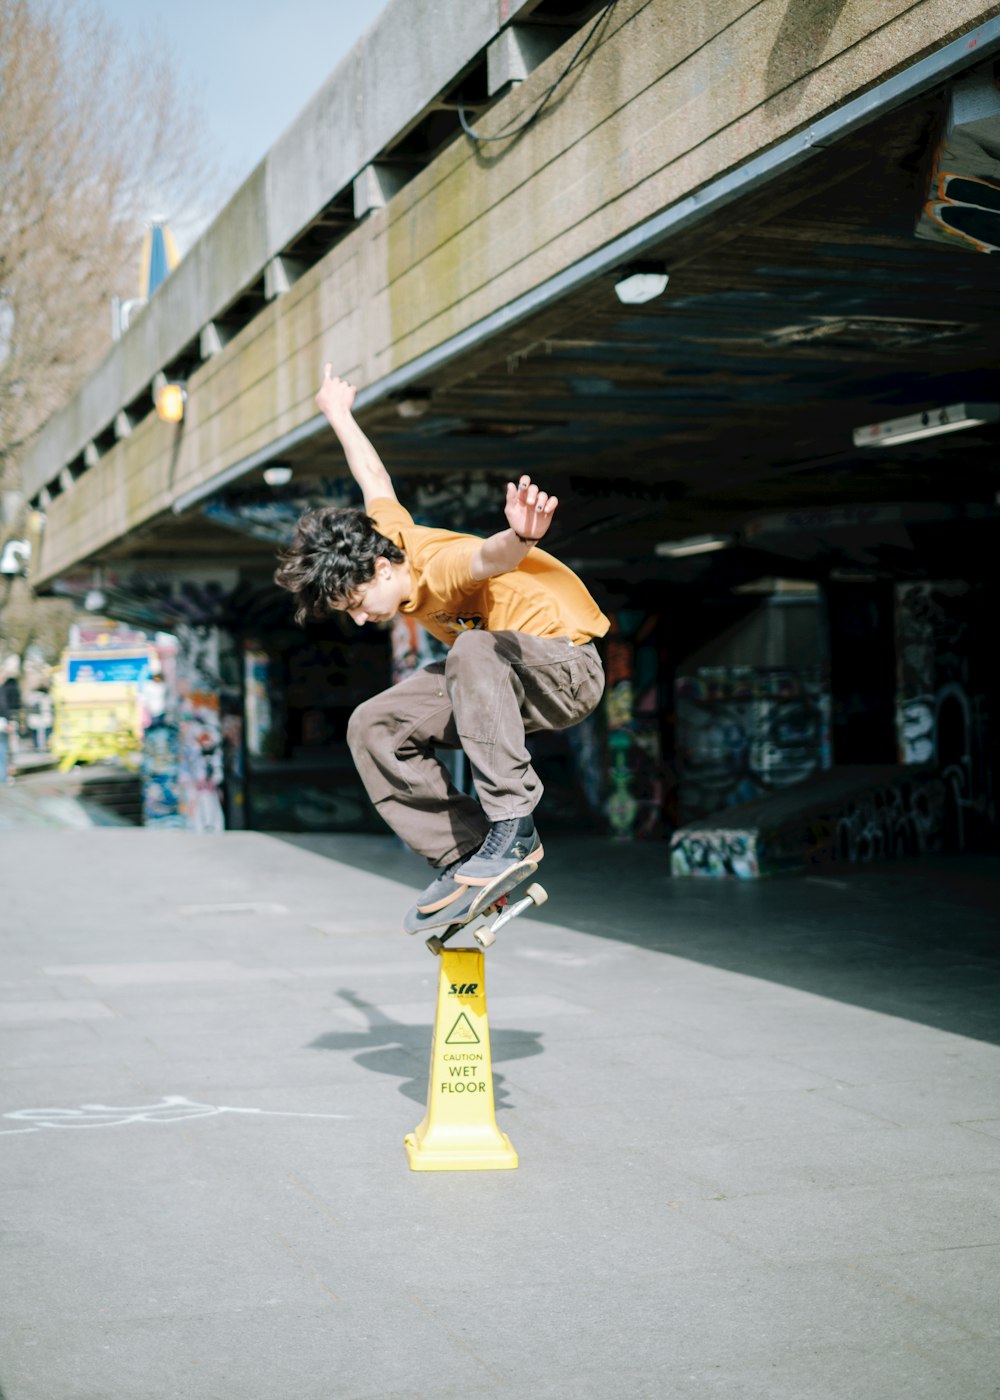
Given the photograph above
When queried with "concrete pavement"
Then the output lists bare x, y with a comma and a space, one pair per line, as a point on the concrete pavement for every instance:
759, 1131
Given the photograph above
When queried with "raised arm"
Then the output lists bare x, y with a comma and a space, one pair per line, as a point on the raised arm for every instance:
335, 400
529, 514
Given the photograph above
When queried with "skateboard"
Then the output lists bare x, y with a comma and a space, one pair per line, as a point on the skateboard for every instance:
495, 911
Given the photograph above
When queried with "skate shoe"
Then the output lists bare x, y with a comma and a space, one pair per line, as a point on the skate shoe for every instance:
450, 909
509, 844
442, 890
438, 899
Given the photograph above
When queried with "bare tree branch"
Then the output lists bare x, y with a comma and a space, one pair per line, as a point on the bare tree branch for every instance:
95, 141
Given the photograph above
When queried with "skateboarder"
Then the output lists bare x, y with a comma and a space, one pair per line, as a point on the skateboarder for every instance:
520, 627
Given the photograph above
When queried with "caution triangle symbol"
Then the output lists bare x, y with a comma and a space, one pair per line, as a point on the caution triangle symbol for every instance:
462, 1033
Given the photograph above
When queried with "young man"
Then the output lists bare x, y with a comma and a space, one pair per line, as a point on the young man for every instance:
520, 626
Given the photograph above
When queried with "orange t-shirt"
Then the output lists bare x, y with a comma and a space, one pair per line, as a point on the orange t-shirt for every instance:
540, 597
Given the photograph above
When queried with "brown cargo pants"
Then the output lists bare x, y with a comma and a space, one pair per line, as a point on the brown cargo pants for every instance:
494, 688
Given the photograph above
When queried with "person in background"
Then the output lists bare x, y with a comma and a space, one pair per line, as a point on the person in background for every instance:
4, 737
40, 718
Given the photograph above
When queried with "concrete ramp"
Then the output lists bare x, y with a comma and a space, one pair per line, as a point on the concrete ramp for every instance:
843, 817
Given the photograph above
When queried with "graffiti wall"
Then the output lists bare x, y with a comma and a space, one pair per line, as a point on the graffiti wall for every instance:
412, 647
961, 208
635, 788
258, 709
469, 501
941, 694
161, 802
845, 824
209, 729
745, 731
714, 854
900, 818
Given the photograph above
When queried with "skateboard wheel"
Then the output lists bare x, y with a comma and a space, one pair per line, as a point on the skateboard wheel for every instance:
435, 945
485, 937
537, 894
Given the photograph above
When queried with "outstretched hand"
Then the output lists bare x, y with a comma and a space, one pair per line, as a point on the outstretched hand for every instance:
335, 398
529, 511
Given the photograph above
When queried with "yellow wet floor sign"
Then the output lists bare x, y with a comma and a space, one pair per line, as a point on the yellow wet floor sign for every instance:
459, 1130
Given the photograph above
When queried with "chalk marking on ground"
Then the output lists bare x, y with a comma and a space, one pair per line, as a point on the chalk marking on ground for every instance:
173, 1108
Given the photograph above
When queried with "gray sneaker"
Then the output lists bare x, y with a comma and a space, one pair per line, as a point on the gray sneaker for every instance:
442, 891
456, 910
509, 844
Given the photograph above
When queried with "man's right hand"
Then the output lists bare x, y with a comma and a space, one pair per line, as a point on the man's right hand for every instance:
335, 400
335, 397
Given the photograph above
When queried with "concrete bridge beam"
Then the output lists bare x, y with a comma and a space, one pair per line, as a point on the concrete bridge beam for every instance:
672, 96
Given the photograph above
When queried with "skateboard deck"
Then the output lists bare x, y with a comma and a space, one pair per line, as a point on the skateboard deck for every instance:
492, 910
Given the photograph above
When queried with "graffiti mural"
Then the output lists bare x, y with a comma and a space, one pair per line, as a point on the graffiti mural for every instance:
635, 796
259, 712
200, 770
619, 708
209, 776
941, 709
587, 753
468, 501
268, 513
900, 819
745, 731
412, 647
714, 854
904, 816
962, 205
161, 803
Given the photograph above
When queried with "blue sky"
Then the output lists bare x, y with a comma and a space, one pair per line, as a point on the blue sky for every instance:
253, 65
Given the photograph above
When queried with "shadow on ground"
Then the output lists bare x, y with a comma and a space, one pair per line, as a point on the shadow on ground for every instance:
394, 1048
919, 939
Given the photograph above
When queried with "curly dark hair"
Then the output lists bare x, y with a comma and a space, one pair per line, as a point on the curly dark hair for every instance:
331, 556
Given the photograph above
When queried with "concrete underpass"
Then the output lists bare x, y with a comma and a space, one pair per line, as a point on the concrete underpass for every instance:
748, 1048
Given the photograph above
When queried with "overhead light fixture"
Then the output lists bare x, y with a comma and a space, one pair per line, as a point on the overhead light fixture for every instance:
278, 475
853, 576
931, 423
414, 403
695, 544
778, 587
96, 599
15, 556
170, 399
641, 282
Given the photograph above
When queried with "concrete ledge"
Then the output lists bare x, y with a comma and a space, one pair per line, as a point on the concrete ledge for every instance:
848, 816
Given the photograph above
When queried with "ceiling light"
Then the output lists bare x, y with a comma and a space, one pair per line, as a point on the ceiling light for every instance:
414, 403
695, 544
278, 474
95, 600
15, 556
932, 423
784, 587
170, 400
640, 283
853, 576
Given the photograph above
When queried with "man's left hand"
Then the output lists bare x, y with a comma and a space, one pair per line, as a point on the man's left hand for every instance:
529, 511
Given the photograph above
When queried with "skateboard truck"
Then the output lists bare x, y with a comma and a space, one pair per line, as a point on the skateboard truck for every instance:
485, 925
